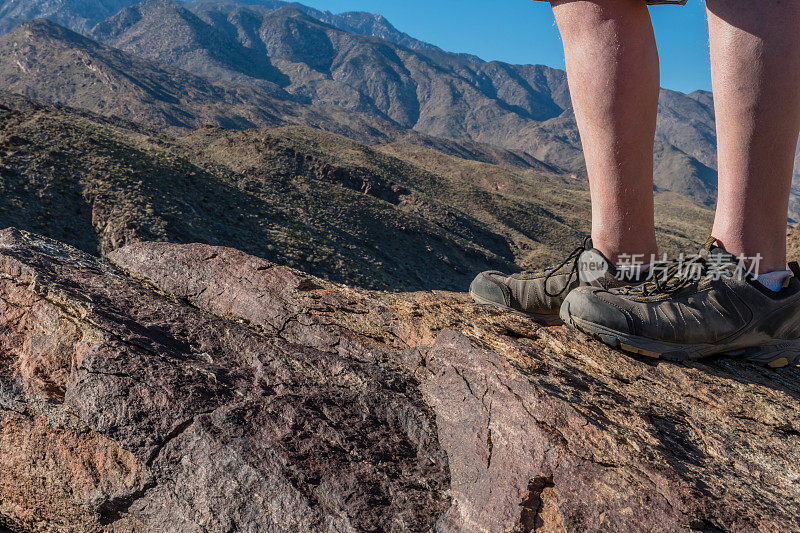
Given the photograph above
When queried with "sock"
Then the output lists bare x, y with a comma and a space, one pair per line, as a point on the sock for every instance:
774, 280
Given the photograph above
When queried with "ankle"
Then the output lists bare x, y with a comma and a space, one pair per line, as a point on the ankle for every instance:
626, 253
763, 257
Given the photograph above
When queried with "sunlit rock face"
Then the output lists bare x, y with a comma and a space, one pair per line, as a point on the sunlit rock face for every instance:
196, 388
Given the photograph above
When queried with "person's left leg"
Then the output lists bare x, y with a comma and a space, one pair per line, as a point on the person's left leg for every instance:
755, 54
755, 68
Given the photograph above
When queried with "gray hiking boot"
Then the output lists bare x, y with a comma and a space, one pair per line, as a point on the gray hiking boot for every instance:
539, 295
705, 306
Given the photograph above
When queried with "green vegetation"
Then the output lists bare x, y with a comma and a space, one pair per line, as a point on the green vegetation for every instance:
397, 216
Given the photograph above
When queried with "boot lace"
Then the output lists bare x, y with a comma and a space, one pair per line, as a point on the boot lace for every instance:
677, 274
575, 257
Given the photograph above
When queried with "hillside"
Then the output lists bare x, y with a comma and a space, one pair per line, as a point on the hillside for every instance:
398, 216
447, 95
99, 186
359, 62
196, 388
44, 61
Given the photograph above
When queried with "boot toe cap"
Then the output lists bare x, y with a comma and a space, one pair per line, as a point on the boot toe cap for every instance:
487, 287
593, 305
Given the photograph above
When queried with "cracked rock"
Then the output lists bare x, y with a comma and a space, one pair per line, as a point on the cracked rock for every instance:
196, 388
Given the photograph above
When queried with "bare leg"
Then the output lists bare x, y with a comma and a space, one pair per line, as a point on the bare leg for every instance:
612, 67
755, 68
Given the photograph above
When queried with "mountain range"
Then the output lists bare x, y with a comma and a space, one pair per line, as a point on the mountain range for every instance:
45, 61
283, 51
82, 15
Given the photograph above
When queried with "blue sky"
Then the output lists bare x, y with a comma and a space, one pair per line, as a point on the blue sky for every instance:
522, 31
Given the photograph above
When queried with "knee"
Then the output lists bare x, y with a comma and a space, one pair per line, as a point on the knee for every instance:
579, 18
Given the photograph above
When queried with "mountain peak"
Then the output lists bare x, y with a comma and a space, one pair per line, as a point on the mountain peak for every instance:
161, 13
39, 24
154, 3
44, 28
292, 11
153, 6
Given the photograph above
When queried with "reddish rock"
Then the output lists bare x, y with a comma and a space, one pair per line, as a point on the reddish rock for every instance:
195, 388
793, 244
125, 406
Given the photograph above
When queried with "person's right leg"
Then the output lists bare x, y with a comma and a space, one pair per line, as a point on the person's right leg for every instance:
612, 68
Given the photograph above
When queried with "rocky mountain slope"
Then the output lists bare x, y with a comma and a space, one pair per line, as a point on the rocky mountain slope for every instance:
447, 95
399, 216
302, 55
45, 61
198, 388
82, 15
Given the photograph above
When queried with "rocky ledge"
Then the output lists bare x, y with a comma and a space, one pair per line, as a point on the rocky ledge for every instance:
196, 388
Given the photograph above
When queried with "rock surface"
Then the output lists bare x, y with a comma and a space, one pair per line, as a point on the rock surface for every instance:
196, 388
793, 245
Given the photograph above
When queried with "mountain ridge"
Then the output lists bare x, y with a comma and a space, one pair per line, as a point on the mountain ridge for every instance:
82, 15
359, 22
436, 93
287, 54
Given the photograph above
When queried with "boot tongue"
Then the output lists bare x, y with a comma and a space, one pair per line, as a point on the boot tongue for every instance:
711, 243
719, 253
593, 265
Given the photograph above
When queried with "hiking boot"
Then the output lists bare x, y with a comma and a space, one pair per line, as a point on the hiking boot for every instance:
539, 295
705, 306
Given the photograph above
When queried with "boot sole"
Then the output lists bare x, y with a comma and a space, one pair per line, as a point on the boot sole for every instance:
540, 318
772, 353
